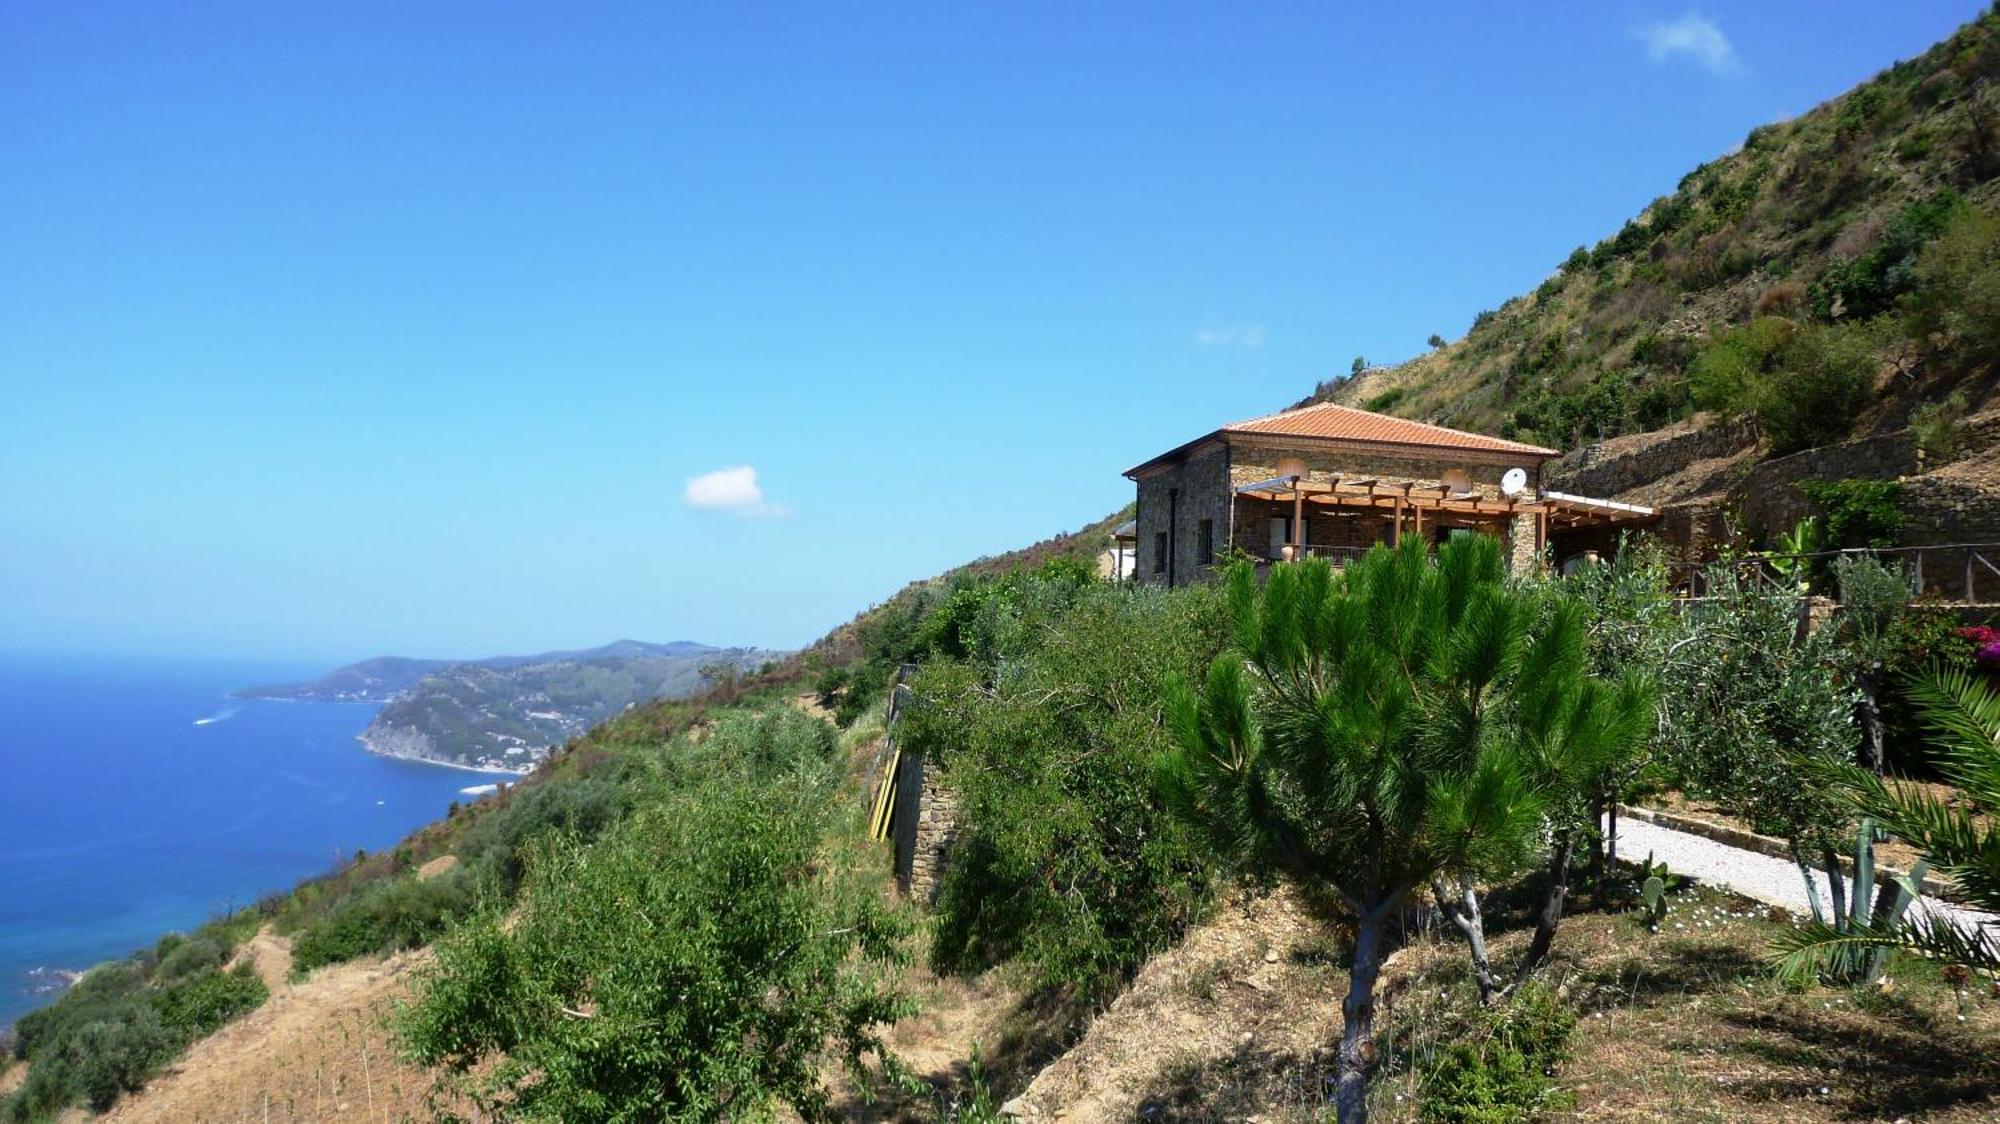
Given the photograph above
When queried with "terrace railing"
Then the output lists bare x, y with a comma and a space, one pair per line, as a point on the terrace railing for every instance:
1338, 555
1959, 573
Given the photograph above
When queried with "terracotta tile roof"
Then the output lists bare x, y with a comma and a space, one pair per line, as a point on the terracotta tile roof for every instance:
1345, 423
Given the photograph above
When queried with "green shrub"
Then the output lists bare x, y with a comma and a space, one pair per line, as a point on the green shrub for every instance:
1730, 374
1935, 425
696, 963
1063, 862
102, 1058
583, 806
1804, 386
1858, 513
1870, 284
99, 994
196, 1006
1503, 1070
384, 917
188, 956
1387, 400
1827, 379
1955, 302
113, 1030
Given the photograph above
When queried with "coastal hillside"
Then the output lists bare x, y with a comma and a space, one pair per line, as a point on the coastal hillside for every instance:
384, 679
377, 680
1834, 278
508, 714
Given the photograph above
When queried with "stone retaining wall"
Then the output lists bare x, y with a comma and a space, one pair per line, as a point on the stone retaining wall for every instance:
936, 831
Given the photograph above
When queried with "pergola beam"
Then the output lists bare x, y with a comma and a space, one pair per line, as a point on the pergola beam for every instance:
1552, 510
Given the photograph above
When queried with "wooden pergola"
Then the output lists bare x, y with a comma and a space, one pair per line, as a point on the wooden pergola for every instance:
1407, 501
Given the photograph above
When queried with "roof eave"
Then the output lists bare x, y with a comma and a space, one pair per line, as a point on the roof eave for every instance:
1174, 453
1533, 451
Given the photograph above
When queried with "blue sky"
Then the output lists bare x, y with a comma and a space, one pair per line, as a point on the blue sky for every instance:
331, 330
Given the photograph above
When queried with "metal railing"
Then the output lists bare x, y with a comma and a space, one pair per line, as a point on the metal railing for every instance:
1338, 555
1957, 573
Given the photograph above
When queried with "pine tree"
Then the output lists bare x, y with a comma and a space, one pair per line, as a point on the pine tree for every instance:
1363, 738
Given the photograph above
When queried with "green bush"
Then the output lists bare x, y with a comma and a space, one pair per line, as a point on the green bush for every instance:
113, 1030
696, 963
1064, 863
1936, 427
582, 806
196, 1006
1730, 374
1858, 513
1870, 284
188, 956
1503, 1070
102, 1058
1955, 303
384, 917
1804, 386
1387, 400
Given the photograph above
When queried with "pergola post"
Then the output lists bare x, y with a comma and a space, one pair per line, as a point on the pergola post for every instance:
1298, 522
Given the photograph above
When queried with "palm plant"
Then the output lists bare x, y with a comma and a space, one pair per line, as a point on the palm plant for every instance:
1966, 717
1360, 739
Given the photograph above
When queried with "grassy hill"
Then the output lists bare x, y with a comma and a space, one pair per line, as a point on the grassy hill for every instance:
1831, 277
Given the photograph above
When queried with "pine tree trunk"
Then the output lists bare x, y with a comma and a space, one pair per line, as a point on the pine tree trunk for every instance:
1552, 908
1462, 910
1357, 1037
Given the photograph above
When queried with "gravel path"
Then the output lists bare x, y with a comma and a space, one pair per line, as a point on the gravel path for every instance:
1759, 877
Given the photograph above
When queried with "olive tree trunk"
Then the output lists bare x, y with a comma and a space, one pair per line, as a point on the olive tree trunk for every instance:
1552, 907
1462, 909
1868, 714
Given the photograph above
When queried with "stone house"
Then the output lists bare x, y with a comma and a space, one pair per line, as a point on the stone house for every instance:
1331, 481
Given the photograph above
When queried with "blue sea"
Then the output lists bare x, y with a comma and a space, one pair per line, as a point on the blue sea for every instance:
137, 798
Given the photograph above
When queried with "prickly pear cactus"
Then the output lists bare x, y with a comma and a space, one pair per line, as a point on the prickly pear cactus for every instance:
1654, 893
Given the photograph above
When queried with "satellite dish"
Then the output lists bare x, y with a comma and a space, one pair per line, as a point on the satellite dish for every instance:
1515, 480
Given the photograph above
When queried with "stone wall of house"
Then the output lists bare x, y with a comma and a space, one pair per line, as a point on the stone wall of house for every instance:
936, 831
1523, 554
1251, 463
1174, 503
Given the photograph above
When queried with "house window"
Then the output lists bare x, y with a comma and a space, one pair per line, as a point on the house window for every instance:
1205, 542
1159, 552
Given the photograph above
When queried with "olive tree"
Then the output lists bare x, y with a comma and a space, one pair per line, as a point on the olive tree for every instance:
1751, 705
1872, 596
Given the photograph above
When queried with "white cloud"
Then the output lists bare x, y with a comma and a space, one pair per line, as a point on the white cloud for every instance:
1231, 335
1693, 36
734, 490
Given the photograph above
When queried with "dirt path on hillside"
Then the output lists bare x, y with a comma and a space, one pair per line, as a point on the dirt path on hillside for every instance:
315, 1051
1252, 993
